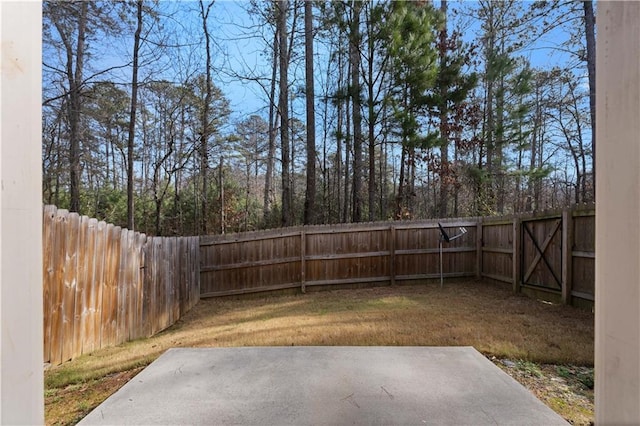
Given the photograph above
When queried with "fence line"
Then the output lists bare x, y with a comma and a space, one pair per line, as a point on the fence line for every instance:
549, 253
104, 285
331, 255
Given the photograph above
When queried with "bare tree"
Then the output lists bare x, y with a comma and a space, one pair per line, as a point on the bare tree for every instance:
310, 195
283, 106
590, 21
132, 116
444, 119
73, 75
354, 58
271, 152
206, 132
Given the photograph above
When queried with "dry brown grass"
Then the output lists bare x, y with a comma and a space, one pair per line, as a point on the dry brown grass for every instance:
486, 316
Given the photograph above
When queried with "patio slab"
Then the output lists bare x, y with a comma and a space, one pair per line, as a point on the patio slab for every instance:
310, 385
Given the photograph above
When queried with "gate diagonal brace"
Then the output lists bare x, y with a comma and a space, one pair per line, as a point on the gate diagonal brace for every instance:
540, 252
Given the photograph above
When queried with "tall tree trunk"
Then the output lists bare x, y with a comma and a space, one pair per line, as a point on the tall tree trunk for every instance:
401, 196
223, 216
206, 131
347, 157
74, 104
371, 104
132, 117
339, 139
500, 143
268, 195
444, 127
310, 195
589, 20
354, 57
327, 205
283, 107
486, 188
529, 205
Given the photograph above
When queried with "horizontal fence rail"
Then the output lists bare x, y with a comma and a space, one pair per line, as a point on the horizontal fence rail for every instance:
549, 253
104, 285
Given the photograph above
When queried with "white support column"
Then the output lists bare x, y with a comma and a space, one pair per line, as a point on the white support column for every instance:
617, 357
21, 374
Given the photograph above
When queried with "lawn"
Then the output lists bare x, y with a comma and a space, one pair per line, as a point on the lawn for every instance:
530, 339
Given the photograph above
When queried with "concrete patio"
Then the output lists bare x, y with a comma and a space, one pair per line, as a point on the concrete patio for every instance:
323, 386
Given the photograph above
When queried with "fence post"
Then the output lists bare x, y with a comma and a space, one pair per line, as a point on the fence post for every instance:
567, 254
302, 260
516, 250
479, 248
392, 249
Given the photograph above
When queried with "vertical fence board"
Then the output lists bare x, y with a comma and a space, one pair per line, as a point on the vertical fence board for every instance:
48, 274
82, 287
140, 324
121, 289
85, 284
108, 283
567, 255
56, 293
93, 258
100, 279
146, 316
174, 259
195, 269
479, 244
110, 305
159, 290
69, 287
515, 251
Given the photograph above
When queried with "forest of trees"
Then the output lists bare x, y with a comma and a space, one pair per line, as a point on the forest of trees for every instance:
357, 110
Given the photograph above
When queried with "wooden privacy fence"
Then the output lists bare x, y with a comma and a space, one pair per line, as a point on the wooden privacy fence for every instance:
332, 255
104, 285
549, 254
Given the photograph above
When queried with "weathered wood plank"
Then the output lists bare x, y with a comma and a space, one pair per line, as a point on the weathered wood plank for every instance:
87, 309
434, 276
70, 281
121, 286
48, 275
81, 309
479, 248
392, 254
110, 299
516, 263
196, 285
246, 265
56, 293
497, 250
587, 255
567, 256
139, 330
100, 253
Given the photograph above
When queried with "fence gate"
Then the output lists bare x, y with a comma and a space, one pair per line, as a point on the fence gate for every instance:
541, 258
